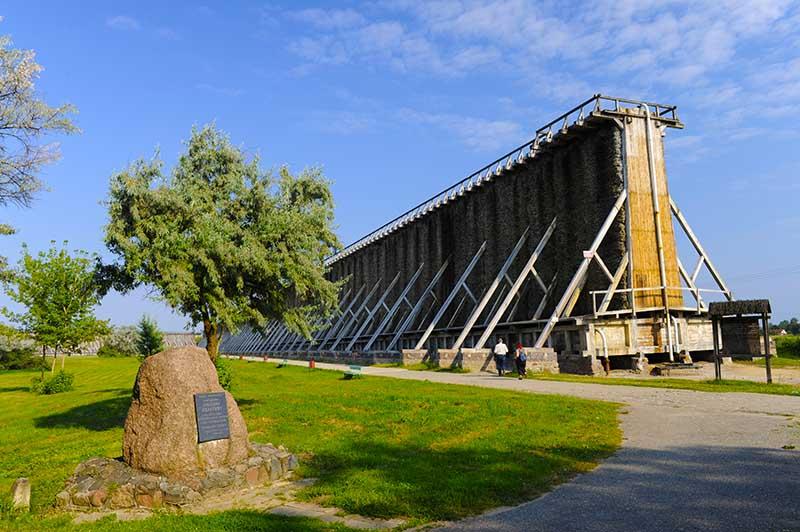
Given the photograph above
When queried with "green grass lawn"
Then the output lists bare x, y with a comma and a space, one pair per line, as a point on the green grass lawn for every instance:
423, 366
379, 447
677, 383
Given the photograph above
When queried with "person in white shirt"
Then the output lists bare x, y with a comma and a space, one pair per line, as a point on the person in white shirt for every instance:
500, 352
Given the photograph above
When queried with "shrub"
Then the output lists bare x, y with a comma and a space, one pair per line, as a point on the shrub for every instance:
108, 351
58, 383
121, 343
20, 358
224, 373
788, 346
16, 353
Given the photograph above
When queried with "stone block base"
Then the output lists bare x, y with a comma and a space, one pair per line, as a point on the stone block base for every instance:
108, 484
341, 357
580, 365
471, 359
417, 356
543, 359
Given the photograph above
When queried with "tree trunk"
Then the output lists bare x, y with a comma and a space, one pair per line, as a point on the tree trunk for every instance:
55, 358
44, 360
211, 332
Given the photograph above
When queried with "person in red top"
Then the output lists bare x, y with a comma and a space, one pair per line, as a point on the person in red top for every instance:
521, 360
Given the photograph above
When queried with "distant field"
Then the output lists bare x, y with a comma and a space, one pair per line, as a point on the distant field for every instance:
379, 447
788, 348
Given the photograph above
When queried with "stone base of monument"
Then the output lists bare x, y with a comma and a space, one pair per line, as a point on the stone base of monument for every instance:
109, 484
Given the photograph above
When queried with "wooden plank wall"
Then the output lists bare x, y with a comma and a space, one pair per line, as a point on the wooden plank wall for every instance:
643, 229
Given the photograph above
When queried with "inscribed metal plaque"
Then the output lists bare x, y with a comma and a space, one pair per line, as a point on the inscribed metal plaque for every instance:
211, 410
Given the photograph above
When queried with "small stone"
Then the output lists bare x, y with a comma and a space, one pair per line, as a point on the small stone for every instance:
82, 498
63, 499
144, 500
240, 468
174, 494
275, 471
21, 494
90, 467
284, 458
293, 462
98, 498
218, 478
254, 461
123, 497
119, 477
252, 475
263, 474
82, 484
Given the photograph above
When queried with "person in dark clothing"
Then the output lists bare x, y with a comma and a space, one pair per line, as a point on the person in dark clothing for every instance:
522, 360
500, 352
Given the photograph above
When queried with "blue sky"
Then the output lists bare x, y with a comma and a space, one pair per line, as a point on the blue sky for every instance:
398, 99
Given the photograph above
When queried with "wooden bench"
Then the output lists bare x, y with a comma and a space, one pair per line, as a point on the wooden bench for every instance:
352, 371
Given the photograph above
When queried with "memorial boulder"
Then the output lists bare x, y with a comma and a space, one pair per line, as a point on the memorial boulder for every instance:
184, 440
175, 391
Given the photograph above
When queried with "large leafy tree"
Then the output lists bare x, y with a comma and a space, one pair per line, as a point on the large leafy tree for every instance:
58, 293
223, 241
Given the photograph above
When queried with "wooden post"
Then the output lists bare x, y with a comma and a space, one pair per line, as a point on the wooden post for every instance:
715, 334
765, 326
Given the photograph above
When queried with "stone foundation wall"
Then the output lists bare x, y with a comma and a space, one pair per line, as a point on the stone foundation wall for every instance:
471, 359
417, 356
580, 365
483, 360
338, 357
544, 359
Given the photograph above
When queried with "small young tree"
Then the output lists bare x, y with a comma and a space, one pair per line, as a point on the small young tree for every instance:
150, 340
59, 294
224, 242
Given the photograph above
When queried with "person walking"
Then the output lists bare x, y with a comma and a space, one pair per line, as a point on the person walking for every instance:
522, 360
500, 352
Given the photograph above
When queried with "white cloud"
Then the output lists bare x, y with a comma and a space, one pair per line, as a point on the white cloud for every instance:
123, 23
476, 133
699, 54
330, 18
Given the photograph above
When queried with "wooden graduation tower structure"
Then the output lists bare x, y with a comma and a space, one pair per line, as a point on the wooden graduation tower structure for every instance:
566, 244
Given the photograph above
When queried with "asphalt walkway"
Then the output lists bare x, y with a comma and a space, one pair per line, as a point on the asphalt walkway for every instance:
689, 461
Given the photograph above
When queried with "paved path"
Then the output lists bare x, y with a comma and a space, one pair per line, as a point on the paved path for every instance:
689, 461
